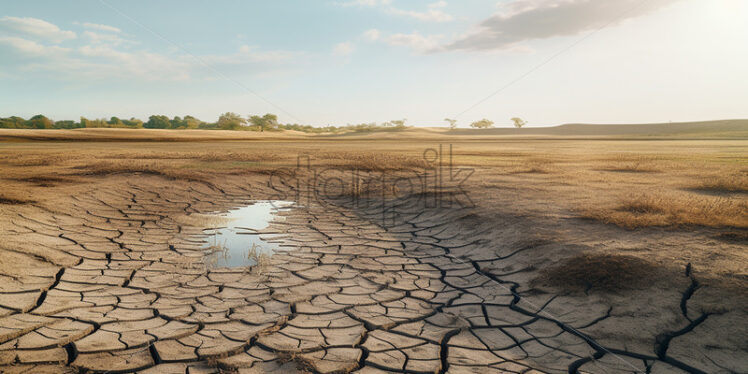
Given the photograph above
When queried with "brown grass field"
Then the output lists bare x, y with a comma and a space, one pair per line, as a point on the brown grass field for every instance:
620, 215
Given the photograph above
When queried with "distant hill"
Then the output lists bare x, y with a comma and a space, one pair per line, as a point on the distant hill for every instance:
722, 128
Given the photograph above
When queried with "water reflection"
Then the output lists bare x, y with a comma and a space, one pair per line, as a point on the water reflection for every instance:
237, 244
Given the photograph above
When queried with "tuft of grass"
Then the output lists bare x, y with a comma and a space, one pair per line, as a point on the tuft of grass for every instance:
737, 183
672, 210
600, 272
370, 161
535, 165
631, 163
642, 205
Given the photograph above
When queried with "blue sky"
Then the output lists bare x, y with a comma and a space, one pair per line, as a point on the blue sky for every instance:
353, 61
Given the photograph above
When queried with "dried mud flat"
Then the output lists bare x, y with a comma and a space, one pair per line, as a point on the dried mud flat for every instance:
110, 281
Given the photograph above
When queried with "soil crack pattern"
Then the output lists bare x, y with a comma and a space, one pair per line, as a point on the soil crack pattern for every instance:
114, 282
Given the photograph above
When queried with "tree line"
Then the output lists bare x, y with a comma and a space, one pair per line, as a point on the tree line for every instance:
226, 121
486, 123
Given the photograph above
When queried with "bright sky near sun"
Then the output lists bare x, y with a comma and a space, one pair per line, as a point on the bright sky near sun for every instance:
354, 61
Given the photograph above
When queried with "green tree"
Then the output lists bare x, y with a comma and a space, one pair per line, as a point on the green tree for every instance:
66, 124
93, 123
177, 123
452, 123
133, 123
157, 122
13, 122
230, 121
267, 122
192, 122
39, 122
482, 124
115, 122
518, 122
208, 126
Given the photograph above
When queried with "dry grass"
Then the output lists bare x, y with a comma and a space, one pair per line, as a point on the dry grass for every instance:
370, 161
631, 163
724, 184
671, 177
673, 209
530, 167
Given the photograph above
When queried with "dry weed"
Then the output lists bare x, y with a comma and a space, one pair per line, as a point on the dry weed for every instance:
724, 184
673, 209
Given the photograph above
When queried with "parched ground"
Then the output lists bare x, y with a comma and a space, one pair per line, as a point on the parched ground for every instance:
106, 275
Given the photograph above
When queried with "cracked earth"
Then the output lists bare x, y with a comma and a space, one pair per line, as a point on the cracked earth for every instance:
112, 281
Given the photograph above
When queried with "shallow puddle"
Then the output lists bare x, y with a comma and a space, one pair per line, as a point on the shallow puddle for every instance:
237, 243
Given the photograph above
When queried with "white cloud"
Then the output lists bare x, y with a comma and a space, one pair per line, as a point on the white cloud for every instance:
434, 13
372, 35
99, 27
343, 49
104, 55
105, 38
416, 41
520, 20
24, 48
252, 55
34, 27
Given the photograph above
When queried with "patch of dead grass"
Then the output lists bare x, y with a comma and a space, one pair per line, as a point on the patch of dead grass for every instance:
724, 184
673, 209
370, 161
625, 163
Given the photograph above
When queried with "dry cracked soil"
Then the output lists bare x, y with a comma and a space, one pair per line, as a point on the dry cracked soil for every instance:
112, 281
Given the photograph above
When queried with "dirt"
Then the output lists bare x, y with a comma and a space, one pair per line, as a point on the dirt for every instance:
109, 280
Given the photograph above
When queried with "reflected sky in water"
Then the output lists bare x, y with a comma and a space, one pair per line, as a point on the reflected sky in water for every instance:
231, 246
